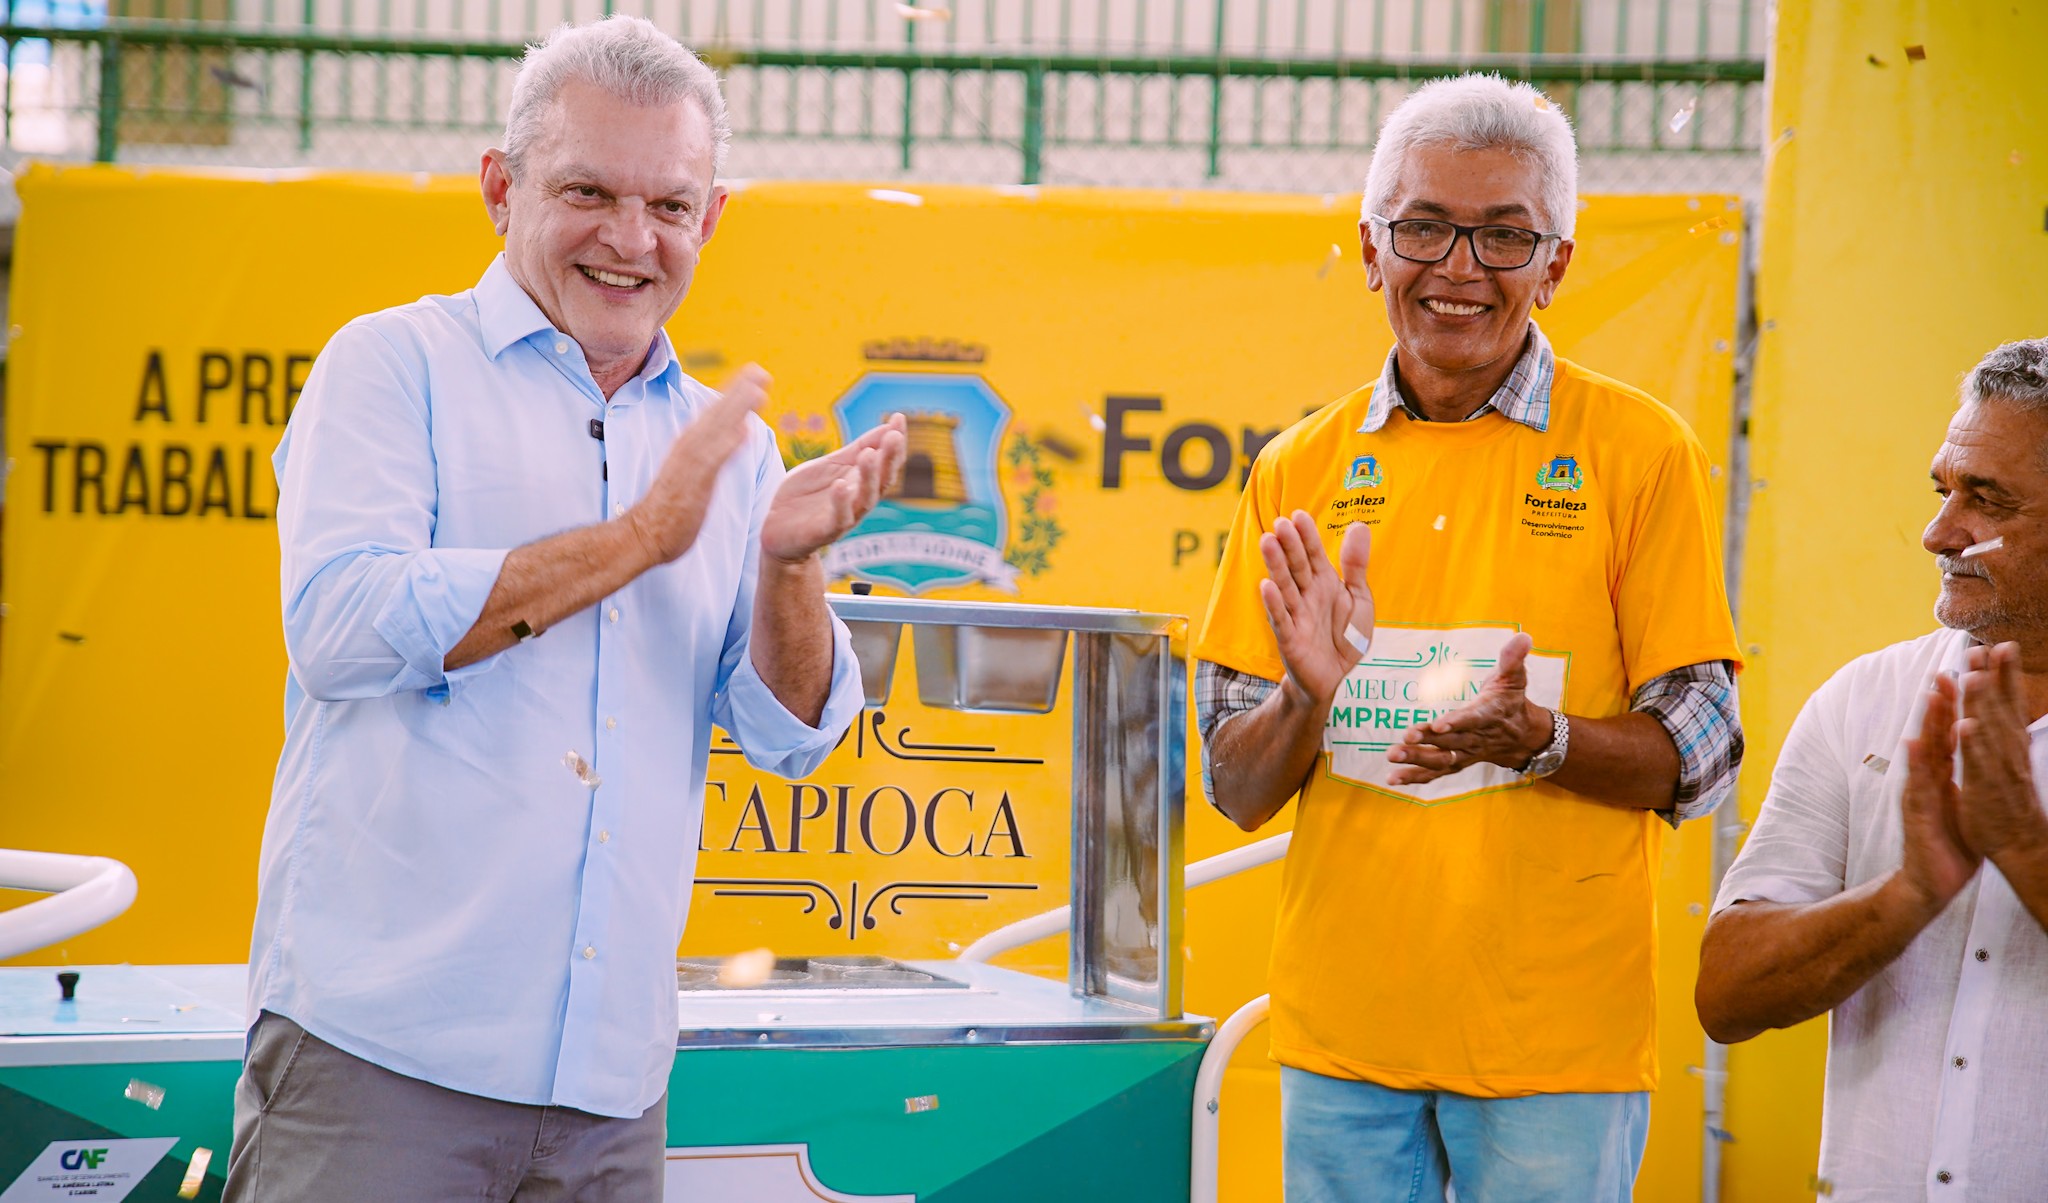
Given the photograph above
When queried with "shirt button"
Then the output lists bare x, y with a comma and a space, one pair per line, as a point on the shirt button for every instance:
618, 508
604, 837
561, 346
1944, 1177
1983, 954
612, 615
1962, 1063
589, 952
610, 723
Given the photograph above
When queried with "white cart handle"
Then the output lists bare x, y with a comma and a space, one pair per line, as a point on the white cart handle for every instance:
86, 891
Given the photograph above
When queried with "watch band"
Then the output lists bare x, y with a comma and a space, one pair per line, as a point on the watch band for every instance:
1551, 758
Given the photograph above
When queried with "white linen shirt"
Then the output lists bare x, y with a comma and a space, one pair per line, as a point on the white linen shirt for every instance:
1937, 1077
439, 893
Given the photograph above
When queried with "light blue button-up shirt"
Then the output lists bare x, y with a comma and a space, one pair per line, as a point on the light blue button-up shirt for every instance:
440, 893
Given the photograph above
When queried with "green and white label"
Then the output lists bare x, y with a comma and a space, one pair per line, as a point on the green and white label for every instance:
1415, 675
96, 1168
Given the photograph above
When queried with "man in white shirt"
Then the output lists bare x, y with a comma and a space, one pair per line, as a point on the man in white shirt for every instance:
1898, 874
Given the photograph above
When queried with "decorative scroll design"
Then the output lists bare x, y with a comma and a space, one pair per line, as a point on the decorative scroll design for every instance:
904, 749
895, 894
899, 892
780, 887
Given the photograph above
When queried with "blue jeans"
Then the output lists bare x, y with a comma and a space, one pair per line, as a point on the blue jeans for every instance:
1355, 1142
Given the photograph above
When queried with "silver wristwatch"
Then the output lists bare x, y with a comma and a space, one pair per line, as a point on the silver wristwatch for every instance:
1551, 758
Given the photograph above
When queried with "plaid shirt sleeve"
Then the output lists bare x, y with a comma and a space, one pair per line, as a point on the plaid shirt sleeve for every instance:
1222, 693
1696, 704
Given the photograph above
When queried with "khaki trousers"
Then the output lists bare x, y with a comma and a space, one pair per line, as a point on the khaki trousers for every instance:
314, 1124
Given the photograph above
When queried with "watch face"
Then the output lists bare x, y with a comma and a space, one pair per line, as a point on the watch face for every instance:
1545, 764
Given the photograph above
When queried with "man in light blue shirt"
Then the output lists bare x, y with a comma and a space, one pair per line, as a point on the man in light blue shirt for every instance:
527, 564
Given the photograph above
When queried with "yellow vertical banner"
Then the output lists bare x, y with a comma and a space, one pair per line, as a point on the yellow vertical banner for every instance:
1088, 375
1905, 203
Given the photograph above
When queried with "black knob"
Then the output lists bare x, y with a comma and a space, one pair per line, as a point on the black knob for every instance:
862, 588
67, 981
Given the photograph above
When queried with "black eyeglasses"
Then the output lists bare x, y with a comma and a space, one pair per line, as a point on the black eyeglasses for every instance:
1427, 240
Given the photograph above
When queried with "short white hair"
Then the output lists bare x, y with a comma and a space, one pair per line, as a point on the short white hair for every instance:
1481, 111
629, 57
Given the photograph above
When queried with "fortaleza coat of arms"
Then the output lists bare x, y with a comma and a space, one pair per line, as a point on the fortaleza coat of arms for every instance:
1562, 474
947, 523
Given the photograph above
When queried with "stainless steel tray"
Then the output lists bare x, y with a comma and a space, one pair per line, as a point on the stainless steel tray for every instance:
819, 973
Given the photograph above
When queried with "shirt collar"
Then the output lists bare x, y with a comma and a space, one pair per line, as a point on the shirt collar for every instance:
661, 361
506, 315
1523, 397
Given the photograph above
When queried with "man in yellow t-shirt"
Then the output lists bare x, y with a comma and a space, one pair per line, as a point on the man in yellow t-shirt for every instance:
1489, 728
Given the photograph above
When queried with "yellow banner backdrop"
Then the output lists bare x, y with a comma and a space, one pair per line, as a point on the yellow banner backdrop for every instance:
1092, 372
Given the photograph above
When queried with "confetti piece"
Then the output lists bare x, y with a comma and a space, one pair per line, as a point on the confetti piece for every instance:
1876, 764
923, 1102
1983, 549
1542, 105
1916, 54
894, 196
186, 1007
1443, 681
1694, 908
70, 637
146, 1093
1330, 260
195, 1173
581, 767
911, 12
1874, 60
1820, 1186
235, 79
1094, 419
1712, 223
1683, 116
746, 970
1438, 524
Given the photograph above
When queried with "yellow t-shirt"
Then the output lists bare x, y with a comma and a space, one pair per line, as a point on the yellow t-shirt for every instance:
1484, 934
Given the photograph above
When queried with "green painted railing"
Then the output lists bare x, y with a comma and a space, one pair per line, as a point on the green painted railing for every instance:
1253, 81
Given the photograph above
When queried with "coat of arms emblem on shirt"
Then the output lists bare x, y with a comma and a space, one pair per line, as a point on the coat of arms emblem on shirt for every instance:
1562, 474
1364, 474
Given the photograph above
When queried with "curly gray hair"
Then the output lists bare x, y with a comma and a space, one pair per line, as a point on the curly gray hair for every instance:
2015, 373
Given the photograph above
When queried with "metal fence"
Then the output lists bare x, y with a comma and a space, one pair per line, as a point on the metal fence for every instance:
1260, 94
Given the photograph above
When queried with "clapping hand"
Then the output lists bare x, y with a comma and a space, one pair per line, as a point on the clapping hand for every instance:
824, 498
1997, 810
667, 519
1938, 863
1312, 606
1497, 727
